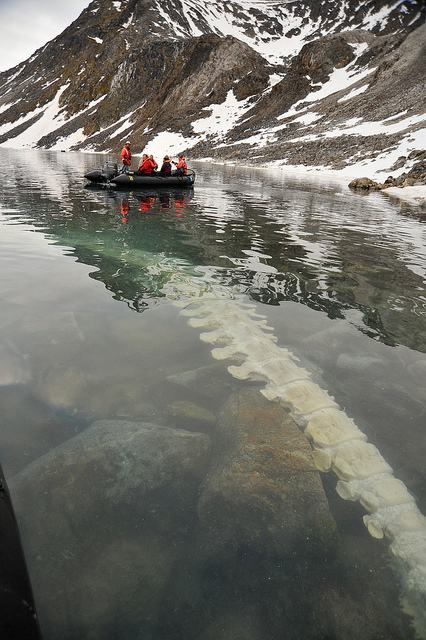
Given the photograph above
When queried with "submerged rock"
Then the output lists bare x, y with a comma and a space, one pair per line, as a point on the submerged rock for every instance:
62, 387
353, 362
14, 367
191, 415
265, 492
29, 428
209, 381
235, 625
102, 519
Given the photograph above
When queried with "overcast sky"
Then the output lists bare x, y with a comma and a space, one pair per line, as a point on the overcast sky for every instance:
26, 25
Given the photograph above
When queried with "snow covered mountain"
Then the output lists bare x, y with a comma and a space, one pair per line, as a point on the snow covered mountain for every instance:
296, 82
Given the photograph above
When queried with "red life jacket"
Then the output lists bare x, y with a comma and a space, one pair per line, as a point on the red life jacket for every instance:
147, 167
182, 165
126, 156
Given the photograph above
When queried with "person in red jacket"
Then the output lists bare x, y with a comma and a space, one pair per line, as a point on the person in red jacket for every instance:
151, 157
146, 166
126, 156
181, 166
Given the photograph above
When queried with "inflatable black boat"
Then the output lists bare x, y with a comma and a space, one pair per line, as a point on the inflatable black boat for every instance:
110, 176
18, 618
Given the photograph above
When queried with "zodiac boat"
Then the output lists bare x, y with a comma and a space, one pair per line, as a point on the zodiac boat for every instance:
110, 176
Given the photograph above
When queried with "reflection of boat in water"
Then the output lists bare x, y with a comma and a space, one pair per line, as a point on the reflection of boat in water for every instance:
166, 198
170, 199
109, 176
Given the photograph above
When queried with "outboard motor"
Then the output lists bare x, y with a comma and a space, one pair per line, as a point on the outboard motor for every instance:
109, 170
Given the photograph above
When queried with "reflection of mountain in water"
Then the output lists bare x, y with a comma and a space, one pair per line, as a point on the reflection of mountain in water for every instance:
277, 239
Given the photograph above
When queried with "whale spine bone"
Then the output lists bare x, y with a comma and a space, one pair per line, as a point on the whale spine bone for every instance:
338, 444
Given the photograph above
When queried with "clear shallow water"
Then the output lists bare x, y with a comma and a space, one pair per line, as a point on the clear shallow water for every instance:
88, 332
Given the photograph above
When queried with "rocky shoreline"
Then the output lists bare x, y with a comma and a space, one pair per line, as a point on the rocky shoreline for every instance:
415, 177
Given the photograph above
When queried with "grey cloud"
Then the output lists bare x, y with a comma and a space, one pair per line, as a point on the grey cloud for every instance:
25, 25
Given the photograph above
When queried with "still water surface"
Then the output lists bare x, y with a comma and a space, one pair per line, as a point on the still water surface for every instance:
135, 528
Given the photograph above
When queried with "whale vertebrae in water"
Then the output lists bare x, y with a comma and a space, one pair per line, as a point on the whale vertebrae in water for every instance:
238, 332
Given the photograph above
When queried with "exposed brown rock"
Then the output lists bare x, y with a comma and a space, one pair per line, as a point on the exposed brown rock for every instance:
364, 184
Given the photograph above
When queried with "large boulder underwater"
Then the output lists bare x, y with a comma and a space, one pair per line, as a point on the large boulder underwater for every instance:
102, 518
264, 490
143, 531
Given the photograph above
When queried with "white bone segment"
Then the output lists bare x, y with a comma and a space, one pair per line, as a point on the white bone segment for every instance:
338, 444
330, 427
375, 492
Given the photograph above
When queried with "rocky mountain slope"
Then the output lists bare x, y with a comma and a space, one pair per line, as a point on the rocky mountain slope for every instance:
328, 84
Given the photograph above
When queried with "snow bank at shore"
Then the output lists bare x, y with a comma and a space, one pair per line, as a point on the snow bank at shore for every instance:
415, 195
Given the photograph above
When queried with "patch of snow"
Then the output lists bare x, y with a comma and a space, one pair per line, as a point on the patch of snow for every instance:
359, 48
47, 84
114, 124
128, 22
117, 5
5, 107
398, 115
275, 78
308, 118
414, 19
123, 127
223, 21
52, 118
377, 168
375, 128
124, 123
96, 39
415, 195
351, 122
95, 10
8, 126
378, 18
67, 142
91, 104
14, 75
170, 143
195, 31
340, 79
260, 139
44, 125
354, 93
223, 116
174, 27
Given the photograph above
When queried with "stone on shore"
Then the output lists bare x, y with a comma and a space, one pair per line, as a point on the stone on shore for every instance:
365, 184
102, 519
264, 492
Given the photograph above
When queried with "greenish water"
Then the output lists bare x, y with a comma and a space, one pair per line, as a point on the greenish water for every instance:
89, 331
